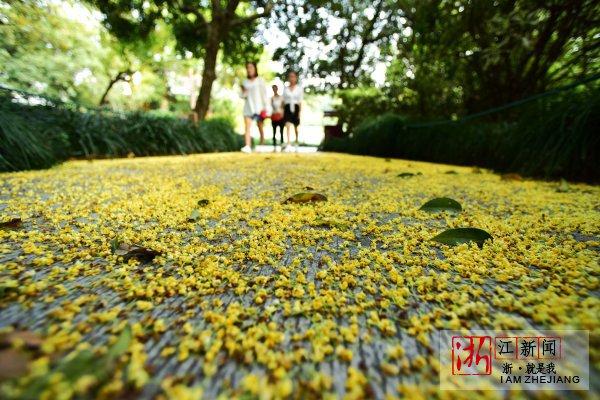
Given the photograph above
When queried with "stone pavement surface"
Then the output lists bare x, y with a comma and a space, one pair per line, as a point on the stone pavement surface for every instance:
231, 293
278, 149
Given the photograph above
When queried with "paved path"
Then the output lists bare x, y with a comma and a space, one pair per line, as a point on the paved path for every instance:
252, 297
278, 149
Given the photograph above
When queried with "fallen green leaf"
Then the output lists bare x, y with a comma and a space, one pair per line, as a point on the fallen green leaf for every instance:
114, 244
408, 174
122, 343
330, 223
10, 285
441, 204
194, 216
563, 187
84, 362
456, 236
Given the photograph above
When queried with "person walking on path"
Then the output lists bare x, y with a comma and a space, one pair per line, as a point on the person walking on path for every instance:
277, 115
292, 99
254, 92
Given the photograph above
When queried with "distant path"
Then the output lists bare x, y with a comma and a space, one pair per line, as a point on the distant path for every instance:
252, 297
277, 149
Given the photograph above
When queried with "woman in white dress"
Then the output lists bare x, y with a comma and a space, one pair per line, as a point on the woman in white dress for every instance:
254, 92
292, 99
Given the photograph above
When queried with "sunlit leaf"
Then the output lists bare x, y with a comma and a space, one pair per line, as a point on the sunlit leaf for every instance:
194, 216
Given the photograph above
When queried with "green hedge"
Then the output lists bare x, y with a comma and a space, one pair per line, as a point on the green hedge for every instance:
39, 136
359, 104
555, 138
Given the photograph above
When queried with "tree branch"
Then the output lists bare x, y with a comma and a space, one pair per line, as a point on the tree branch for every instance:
121, 76
250, 18
232, 5
366, 38
383, 34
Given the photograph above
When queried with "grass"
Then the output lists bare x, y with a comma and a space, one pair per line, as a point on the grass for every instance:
550, 138
230, 292
39, 136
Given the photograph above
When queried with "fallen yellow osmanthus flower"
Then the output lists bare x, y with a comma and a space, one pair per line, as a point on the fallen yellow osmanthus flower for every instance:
279, 293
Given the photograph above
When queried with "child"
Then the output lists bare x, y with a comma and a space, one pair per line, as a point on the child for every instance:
277, 115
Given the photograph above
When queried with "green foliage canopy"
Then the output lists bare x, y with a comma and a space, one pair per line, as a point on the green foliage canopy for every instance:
203, 29
443, 57
41, 50
61, 50
352, 36
467, 56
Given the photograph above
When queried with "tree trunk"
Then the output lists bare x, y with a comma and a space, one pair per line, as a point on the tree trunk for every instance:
223, 19
209, 74
104, 100
121, 76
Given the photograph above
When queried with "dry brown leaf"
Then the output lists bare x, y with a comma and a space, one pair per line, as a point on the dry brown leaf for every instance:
511, 177
305, 197
13, 364
11, 223
30, 339
134, 251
